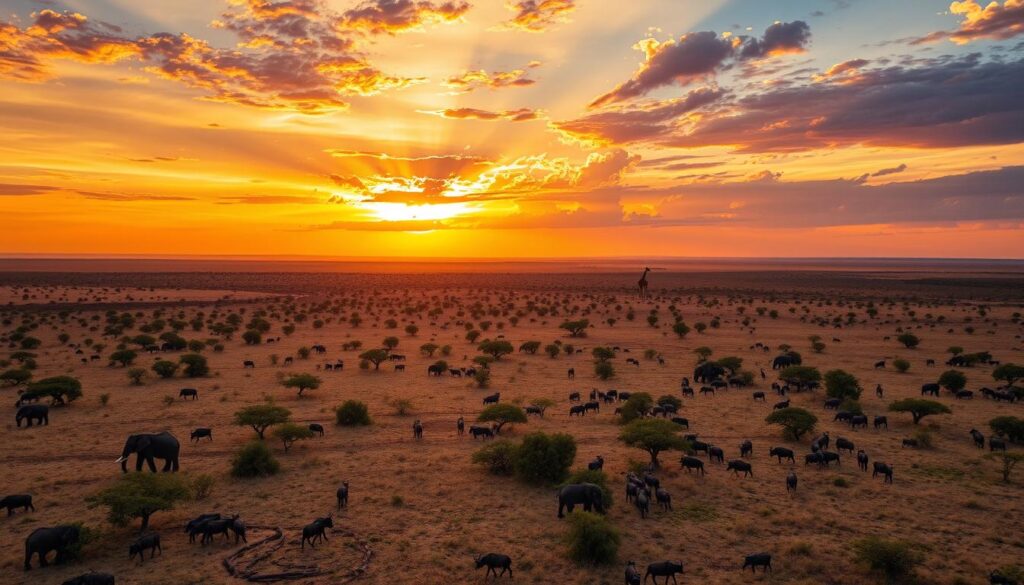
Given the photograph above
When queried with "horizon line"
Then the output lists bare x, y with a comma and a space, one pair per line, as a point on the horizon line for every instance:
477, 259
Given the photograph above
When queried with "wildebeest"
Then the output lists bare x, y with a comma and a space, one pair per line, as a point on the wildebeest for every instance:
343, 495
746, 448
932, 389
592, 405
781, 405
149, 542
880, 365
862, 460
843, 415
737, 466
689, 463
685, 423
643, 502
910, 443
200, 433
248, 364
758, 560
664, 498
716, 453
858, 420
632, 575
574, 397
189, 393
759, 396
578, 410
460, 426
484, 432
317, 428
707, 390
23, 501
238, 527
651, 481
211, 527
493, 562
881, 421
664, 569
832, 404
828, 457
687, 391
493, 398
842, 444
417, 429
964, 394
996, 443
884, 469
791, 481
533, 409
596, 464
812, 458
979, 439
192, 528
781, 452
316, 531
571, 373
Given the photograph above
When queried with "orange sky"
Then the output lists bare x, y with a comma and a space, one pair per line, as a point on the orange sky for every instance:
525, 129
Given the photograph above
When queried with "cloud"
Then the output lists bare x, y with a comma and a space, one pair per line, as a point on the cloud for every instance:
396, 16
699, 55
642, 122
470, 80
520, 115
890, 170
10, 189
351, 164
538, 15
132, 196
270, 199
846, 67
992, 21
290, 57
921, 103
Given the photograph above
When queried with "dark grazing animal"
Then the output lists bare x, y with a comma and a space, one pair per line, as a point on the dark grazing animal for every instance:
781, 405
316, 531
858, 420
317, 428
758, 560
828, 457
997, 578
149, 542
862, 460
781, 452
698, 446
664, 569
417, 430
979, 439
574, 397
632, 575
759, 396
23, 501
493, 398
832, 404
33, 413
248, 364
737, 466
192, 528
881, 421
932, 389
716, 454
643, 502
910, 443
578, 410
484, 432
571, 373
189, 393
238, 527
844, 444
746, 449
460, 426
996, 443
664, 498
685, 423
884, 469
343, 495
200, 433
493, 562
596, 464
791, 481
689, 463
211, 527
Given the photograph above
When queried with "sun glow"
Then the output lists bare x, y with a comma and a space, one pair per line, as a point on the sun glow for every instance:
425, 212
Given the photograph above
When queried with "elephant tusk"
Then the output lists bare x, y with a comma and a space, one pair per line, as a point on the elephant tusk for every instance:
120, 459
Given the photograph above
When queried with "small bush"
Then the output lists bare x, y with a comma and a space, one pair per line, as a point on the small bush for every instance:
352, 414
397, 501
254, 460
895, 559
544, 458
901, 365
924, 438
592, 539
499, 457
202, 486
840, 482
104, 399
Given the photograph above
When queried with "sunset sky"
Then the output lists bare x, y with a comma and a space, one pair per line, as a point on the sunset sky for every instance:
520, 128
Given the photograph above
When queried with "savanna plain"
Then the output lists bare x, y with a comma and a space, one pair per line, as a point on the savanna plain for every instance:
420, 510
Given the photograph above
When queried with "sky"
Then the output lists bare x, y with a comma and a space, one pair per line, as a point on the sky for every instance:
518, 128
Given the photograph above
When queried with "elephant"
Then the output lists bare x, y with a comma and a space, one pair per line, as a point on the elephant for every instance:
587, 494
707, 371
44, 540
149, 446
91, 579
785, 360
38, 413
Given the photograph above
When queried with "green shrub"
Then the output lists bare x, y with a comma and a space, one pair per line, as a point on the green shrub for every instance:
592, 539
352, 413
637, 405
924, 437
901, 365
1010, 427
499, 457
202, 486
894, 559
254, 460
544, 458
604, 370
841, 384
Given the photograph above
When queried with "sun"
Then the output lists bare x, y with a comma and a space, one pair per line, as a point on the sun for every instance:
424, 212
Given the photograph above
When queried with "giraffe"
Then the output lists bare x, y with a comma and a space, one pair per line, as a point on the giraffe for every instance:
643, 284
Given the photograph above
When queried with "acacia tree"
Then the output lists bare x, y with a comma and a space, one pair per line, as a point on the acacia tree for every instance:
302, 381
795, 422
841, 384
496, 348
953, 380
290, 432
575, 328
262, 416
909, 340
919, 408
1010, 373
542, 404
501, 415
1009, 460
653, 435
801, 376
375, 357
140, 495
